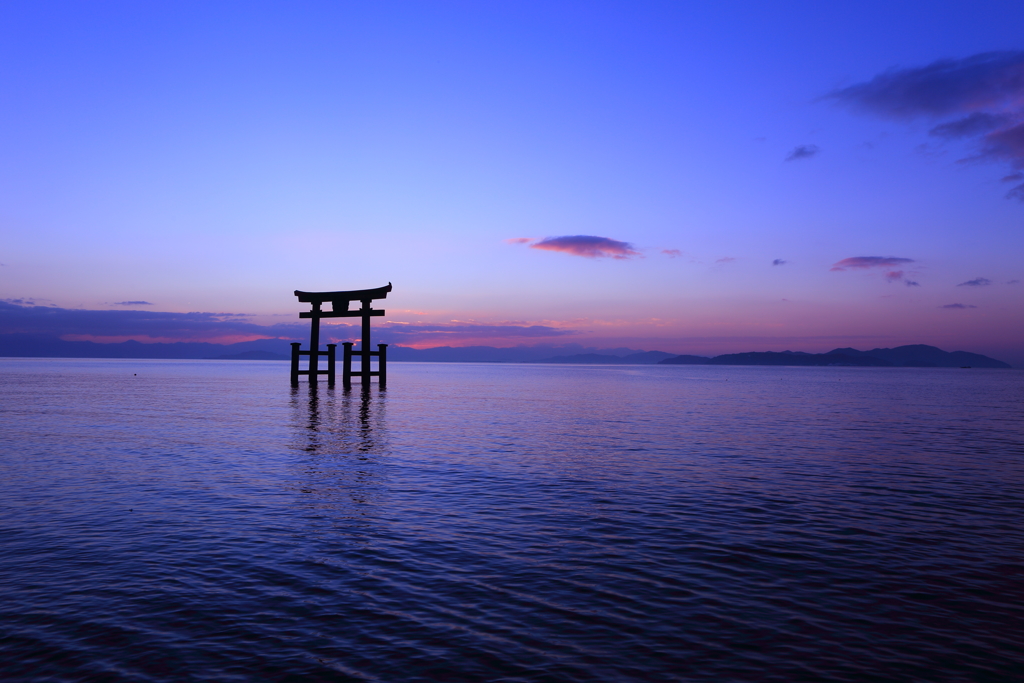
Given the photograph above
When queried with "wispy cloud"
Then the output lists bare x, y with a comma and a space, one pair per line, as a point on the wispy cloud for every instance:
982, 96
22, 302
855, 262
958, 306
588, 246
726, 259
986, 81
890, 264
520, 240
976, 282
971, 125
802, 152
132, 303
672, 253
779, 262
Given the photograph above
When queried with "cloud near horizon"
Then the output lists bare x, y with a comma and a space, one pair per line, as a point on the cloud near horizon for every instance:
958, 306
976, 282
132, 303
981, 96
588, 246
227, 328
25, 317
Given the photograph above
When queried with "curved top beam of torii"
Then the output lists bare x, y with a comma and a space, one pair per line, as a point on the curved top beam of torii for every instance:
351, 295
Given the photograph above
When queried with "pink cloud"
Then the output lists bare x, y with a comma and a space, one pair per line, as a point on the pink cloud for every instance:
890, 263
519, 240
894, 275
588, 246
671, 253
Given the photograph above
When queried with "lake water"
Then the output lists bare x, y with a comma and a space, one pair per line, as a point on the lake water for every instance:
204, 521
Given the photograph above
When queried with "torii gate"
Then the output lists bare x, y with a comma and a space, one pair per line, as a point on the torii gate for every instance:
339, 309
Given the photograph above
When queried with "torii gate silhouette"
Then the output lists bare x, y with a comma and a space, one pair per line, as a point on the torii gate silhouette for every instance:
339, 309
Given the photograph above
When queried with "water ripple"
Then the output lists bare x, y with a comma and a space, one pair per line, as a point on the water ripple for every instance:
169, 521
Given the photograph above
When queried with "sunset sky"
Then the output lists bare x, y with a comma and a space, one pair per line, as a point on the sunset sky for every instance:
688, 177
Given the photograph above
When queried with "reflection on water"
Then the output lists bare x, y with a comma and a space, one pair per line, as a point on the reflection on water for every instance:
342, 435
339, 421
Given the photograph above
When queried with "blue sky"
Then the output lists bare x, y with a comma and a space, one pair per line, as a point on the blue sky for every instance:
212, 157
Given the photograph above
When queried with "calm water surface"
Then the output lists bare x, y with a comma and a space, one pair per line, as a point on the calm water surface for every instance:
203, 521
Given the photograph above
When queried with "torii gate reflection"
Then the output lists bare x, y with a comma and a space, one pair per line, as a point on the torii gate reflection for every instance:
339, 309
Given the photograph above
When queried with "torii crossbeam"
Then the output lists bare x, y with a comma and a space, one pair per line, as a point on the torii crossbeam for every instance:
339, 309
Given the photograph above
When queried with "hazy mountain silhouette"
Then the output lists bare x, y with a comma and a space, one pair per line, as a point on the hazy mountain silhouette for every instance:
924, 356
50, 346
523, 354
912, 356
796, 358
645, 358
686, 360
46, 346
252, 355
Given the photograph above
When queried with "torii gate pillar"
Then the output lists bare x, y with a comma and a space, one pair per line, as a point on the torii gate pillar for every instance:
339, 309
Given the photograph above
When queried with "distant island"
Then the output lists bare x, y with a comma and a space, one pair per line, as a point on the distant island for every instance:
909, 356
914, 355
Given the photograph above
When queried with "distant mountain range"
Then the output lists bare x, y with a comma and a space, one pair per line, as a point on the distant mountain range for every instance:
915, 355
252, 355
45, 346
48, 346
910, 356
644, 358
